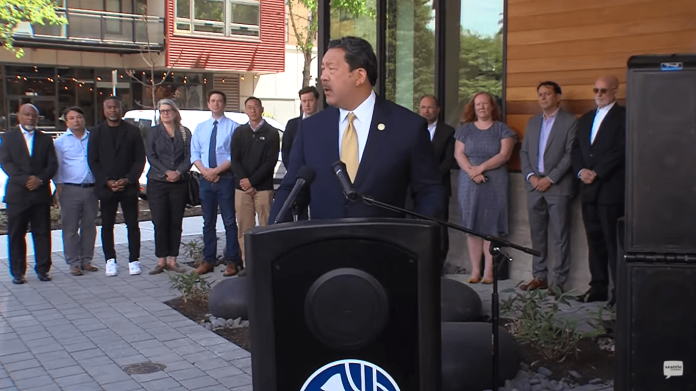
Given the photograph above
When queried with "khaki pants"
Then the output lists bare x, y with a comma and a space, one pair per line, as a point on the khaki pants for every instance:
248, 207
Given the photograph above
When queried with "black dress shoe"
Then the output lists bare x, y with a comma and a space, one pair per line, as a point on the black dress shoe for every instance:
593, 295
19, 280
44, 277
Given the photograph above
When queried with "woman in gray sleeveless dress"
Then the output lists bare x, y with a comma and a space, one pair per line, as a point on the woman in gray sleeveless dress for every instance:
484, 145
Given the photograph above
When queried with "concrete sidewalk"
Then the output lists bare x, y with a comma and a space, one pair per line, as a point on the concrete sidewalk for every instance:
76, 333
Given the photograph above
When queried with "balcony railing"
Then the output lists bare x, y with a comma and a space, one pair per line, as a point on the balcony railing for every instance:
103, 28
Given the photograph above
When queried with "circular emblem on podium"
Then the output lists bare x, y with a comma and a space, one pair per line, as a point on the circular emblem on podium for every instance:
350, 375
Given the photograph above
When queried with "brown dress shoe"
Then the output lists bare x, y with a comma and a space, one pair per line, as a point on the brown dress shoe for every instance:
534, 284
231, 270
76, 271
90, 268
205, 267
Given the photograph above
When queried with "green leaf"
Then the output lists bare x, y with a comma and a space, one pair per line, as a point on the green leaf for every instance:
13, 12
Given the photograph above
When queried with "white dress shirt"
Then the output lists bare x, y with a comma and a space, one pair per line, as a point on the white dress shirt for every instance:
599, 117
362, 122
431, 129
29, 139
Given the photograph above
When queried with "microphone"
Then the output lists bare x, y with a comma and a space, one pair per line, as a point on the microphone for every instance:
305, 175
339, 169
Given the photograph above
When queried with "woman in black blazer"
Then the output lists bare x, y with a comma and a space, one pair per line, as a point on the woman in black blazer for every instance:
169, 153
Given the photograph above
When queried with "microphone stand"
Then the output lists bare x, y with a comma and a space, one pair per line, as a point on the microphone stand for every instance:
495, 249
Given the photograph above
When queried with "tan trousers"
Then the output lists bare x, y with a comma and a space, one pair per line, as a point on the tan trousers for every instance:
247, 207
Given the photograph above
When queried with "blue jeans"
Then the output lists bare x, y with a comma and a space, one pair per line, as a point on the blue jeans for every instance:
212, 194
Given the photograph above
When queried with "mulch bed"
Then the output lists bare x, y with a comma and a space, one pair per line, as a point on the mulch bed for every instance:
591, 362
197, 310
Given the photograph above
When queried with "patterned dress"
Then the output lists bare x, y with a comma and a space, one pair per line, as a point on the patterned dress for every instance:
484, 206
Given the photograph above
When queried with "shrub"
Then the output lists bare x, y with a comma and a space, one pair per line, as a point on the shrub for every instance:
194, 250
190, 285
535, 320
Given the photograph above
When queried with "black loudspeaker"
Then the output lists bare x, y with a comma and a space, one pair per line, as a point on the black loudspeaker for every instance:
345, 304
660, 138
656, 328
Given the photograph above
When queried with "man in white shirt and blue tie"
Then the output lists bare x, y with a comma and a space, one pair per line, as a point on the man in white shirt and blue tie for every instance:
75, 192
211, 154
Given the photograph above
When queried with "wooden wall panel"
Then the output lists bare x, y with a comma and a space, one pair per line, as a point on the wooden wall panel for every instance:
574, 42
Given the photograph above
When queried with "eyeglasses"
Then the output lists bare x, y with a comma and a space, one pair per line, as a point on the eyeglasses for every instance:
600, 90
166, 111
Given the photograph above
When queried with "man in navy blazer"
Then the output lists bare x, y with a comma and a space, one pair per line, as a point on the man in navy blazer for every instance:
393, 144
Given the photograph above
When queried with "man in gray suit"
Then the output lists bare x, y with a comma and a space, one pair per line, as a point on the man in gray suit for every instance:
546, 159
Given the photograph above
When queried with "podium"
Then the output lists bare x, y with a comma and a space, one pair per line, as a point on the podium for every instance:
335, 304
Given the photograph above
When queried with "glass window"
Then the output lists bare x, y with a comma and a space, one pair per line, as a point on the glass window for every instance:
354, 18
410, 51
220, 17
481, 48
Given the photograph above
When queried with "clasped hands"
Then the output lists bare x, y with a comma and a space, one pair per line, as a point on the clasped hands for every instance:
210, 174
246, 186
540, 185
117, 185
476, 174
587, 176
33, 183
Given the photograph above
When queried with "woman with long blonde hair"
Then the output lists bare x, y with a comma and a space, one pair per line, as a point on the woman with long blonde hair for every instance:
483, 147
168, 149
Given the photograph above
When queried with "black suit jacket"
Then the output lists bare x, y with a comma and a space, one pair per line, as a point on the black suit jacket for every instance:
443, 147
397, 154
291, 129
125, 159
18, 166
606, 156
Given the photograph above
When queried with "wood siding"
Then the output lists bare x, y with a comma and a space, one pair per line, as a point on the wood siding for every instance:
574, 42
229, 54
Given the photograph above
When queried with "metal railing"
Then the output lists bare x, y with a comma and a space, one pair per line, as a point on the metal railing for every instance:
100, 26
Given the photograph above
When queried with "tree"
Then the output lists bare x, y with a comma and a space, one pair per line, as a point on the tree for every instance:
13, 12
306, 40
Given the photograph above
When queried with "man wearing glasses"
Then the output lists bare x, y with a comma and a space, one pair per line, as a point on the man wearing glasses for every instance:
598, 161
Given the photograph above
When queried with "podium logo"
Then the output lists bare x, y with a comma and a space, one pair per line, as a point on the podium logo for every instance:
350, 375
673, 368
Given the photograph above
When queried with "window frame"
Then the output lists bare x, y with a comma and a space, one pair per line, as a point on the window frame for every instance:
227, 24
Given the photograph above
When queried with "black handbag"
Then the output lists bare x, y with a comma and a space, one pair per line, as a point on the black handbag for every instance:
193, 196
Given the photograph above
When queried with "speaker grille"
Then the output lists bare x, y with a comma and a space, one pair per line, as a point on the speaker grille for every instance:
662, 325
661, 159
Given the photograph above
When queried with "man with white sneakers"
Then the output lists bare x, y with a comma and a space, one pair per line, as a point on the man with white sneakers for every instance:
116, 156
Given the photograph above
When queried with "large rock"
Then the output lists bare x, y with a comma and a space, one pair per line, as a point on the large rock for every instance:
228, 299
467, 362
459, 302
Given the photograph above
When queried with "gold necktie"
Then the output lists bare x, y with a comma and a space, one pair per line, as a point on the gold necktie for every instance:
349, 148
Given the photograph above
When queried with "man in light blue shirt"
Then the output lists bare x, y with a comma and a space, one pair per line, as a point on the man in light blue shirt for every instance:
211, 154
75, 191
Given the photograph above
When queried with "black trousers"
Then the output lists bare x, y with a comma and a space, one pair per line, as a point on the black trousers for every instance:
129, 207
167, 204
600, 227
445, 235
18, 219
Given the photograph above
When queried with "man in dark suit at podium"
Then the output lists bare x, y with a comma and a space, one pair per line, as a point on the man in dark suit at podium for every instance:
385, 147
598, 160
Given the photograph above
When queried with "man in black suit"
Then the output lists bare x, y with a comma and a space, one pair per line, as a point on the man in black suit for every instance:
117, 158
309, 97
442, 138
385, 146
598, 160
29, 160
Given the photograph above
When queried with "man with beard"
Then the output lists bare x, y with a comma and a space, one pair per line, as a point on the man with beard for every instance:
117, 158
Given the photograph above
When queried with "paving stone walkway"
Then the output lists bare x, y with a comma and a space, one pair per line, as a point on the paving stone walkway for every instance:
76, 333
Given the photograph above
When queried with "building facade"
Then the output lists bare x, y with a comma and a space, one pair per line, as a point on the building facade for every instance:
180, 49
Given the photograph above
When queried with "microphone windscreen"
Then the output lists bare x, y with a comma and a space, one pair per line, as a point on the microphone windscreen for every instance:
307, 173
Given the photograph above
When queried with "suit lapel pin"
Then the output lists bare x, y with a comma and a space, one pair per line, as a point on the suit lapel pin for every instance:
381, 127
